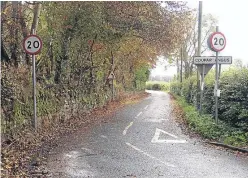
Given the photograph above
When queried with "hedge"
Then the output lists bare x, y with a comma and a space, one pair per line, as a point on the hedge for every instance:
206, 126
233, 102
157, 85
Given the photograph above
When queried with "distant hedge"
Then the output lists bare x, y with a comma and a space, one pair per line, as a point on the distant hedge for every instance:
156, 85
233, 102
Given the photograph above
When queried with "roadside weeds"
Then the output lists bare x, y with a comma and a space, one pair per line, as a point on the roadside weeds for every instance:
203, 127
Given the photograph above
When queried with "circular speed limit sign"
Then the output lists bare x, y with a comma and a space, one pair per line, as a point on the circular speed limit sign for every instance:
32, 44
217, 41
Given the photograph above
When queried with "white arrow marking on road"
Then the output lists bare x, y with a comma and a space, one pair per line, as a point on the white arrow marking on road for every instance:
146, 107
150, 156
125, 131
156, 139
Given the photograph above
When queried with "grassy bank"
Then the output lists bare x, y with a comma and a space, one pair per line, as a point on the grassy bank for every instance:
207, 128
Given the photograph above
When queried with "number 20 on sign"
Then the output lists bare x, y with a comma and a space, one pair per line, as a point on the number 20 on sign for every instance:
32, 44
217, 41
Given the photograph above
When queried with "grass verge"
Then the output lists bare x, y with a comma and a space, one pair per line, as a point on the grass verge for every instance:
208, 129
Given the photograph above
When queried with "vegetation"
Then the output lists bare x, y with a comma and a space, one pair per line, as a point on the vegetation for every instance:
82, 43
233, 106
206, 126
157, 85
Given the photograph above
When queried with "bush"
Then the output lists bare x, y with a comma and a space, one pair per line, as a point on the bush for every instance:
154, 85
206, 126
233, 103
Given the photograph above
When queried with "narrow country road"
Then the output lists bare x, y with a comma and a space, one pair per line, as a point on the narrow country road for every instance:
142, 140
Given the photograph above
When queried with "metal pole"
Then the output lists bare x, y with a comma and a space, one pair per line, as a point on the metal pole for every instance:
34, 90
181, 69
199, 28
202, 88
216, 84
219, 70
199, 50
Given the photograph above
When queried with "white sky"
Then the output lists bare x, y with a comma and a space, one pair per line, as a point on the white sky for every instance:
232, 17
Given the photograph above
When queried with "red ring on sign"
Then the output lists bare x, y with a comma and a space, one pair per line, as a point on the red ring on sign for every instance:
212, 46
28, 51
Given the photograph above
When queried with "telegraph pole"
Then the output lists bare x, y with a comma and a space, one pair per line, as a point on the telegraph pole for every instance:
199, 54
181, 69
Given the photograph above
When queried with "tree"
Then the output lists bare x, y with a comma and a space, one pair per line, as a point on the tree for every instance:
238, 63
190, 45
80, 40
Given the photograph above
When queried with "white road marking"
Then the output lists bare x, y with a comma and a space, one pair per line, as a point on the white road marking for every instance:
103, 136
131, 123
155, 120
125, 131
71, 154
156, 139
138, 114
150, 156
146, 107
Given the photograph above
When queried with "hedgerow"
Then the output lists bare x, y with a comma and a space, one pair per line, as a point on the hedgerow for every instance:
207, 128
157, 85
233, 102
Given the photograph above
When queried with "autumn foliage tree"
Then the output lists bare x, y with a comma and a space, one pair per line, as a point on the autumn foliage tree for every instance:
82, 43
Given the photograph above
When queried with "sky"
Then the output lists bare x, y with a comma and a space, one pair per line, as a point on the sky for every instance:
232, 17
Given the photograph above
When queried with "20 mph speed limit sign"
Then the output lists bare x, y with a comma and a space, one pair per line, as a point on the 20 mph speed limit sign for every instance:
32, 44
217, 41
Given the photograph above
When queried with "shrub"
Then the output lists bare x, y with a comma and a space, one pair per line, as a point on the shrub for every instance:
233, 102
206, 126
154, 85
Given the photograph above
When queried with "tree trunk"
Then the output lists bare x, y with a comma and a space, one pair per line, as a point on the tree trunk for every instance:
37, 10
4, 55
181, 68
14, 34
24, 29
61, 62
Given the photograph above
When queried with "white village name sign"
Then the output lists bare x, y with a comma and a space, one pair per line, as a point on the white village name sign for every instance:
212, 59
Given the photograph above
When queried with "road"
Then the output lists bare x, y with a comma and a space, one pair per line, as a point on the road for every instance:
142, 140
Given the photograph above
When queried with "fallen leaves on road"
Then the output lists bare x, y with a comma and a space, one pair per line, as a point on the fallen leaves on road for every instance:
24, 154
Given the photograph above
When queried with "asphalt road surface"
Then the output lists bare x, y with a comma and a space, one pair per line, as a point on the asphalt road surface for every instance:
142, 140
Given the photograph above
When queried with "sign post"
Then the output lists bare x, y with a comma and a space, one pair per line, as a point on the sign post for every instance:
198, 98
32, 45
111, 78
204, 64
202, 87
217, 42
216, 87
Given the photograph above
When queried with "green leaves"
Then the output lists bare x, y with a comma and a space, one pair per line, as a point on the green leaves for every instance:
80, 40
206, 126
164, 86
233, 102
